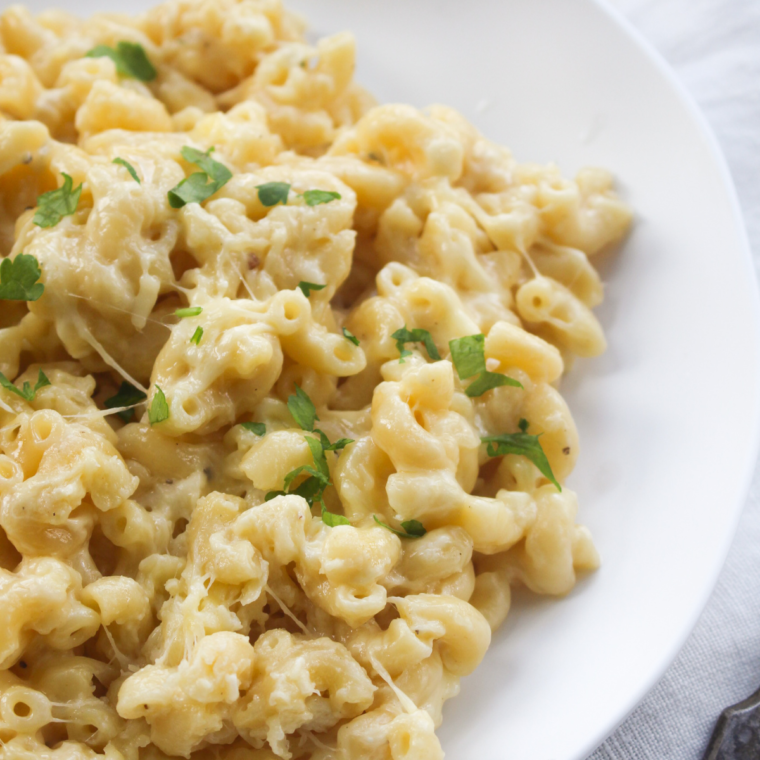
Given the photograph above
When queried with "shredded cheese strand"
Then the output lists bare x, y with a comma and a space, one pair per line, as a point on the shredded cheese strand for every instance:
101, 412
406, 702
123, 311
287, 611
123, 660
311, 737
480, 216
247, 286
106, 357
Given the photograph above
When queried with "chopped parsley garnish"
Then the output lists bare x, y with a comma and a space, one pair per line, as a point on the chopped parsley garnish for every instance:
319, 482
489, 380
411, 528
199, 185
304, 413
197, 335
523, 425
130, 59
337, 446
127, 395
259, 428
272, 193
307, 287
318, 454
216, 171
27, 392
331, 519
18, 279
350, 336
55, 204
190, 311
128, 167
525, 445
159, 408
316, 197
313, 488
302, 410
402, 336
468, 355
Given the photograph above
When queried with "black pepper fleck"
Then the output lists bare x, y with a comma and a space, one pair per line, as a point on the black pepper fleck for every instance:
566, 450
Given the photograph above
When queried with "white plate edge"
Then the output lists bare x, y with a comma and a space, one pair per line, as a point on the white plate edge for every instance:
751, 464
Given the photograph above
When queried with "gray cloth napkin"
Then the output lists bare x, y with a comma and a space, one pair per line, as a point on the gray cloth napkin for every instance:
714, 47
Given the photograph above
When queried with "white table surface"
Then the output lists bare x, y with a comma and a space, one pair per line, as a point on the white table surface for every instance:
714, 47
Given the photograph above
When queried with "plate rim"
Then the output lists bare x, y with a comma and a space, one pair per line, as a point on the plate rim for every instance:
749, 467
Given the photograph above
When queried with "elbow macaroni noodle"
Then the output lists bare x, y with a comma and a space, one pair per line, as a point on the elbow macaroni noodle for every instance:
157, 601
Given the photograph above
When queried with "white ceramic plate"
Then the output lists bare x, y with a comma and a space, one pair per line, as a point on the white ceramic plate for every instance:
668, 417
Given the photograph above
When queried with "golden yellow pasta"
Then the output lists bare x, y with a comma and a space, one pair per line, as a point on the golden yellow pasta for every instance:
279, 411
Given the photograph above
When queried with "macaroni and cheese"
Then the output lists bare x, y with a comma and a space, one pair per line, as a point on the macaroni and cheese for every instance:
279, 418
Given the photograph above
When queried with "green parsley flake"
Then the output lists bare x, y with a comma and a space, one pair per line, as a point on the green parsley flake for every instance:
18, 279
193, 189
293, 474
26, 391
190, 311
302, 410
159, 408
350, 336
127, 395
468, 355
197, 335
259, 428
488, 380
317, 197
128, 167
418, 335
272, 193
524, 445
523, 425
55, 204
318, 454
327, 446
331, 519
136, 62
203, 184
411, 528
130, 58
312, 489
307, 287
216, 171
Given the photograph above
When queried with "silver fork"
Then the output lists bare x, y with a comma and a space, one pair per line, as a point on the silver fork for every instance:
737, 732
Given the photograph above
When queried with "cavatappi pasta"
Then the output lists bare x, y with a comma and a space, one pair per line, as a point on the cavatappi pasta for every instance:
246, 509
